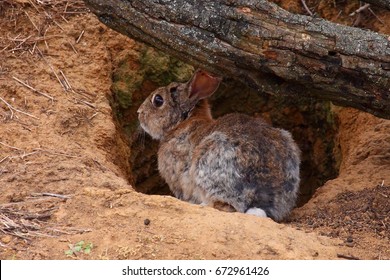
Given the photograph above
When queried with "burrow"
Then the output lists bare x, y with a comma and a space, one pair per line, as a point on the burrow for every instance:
139, 71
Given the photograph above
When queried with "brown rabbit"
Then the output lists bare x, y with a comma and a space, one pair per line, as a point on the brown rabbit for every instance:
235, 163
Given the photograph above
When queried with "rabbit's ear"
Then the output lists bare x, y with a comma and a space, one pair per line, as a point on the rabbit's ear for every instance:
203, 85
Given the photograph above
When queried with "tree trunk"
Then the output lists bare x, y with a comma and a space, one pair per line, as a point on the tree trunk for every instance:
264, 46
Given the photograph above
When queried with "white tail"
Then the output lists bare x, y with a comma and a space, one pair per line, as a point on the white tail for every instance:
257, 212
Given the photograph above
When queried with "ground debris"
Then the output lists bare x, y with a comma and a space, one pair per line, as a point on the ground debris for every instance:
31, 218
352, 212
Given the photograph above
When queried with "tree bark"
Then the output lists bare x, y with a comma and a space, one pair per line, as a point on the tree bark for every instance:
380, 3
264, 46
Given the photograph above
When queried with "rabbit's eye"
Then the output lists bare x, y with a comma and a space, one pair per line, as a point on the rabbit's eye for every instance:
158, 101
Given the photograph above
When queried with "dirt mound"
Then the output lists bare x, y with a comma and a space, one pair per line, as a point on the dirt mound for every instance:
64, 169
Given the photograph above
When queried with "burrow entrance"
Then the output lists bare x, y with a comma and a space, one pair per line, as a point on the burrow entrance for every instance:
141, 70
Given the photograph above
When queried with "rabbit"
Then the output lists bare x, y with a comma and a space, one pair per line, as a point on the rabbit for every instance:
233, 163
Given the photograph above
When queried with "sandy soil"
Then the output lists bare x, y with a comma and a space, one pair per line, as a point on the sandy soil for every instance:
58, 136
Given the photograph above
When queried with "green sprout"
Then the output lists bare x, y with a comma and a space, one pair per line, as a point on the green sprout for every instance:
79, 247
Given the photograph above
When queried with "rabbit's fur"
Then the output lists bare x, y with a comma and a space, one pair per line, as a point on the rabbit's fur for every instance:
234, 163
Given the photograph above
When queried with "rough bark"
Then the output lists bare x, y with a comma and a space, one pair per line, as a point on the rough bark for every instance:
264, 46
380, 3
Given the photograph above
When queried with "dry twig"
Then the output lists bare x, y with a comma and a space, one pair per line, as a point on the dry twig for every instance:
374, 14
11, 147
66, 82
361, 9
24, 155
32, 4
52, 195
51, 68
56, 153
4, 158
307, 8
12, 109
33, 89
347, 257
27, 224
71, 230
31, 21
26, 202
87, 103
79, 38
73, 48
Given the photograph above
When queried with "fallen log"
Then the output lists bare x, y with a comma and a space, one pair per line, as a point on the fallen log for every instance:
380, 3
264, 46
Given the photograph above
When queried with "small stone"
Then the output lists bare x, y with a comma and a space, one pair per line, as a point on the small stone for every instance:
347, 218
6, 239
146, 222
349, 239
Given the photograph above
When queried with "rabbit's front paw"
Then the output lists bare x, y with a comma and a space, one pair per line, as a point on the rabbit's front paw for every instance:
223, 206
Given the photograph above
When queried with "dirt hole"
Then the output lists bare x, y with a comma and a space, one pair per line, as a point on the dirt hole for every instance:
312, 123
